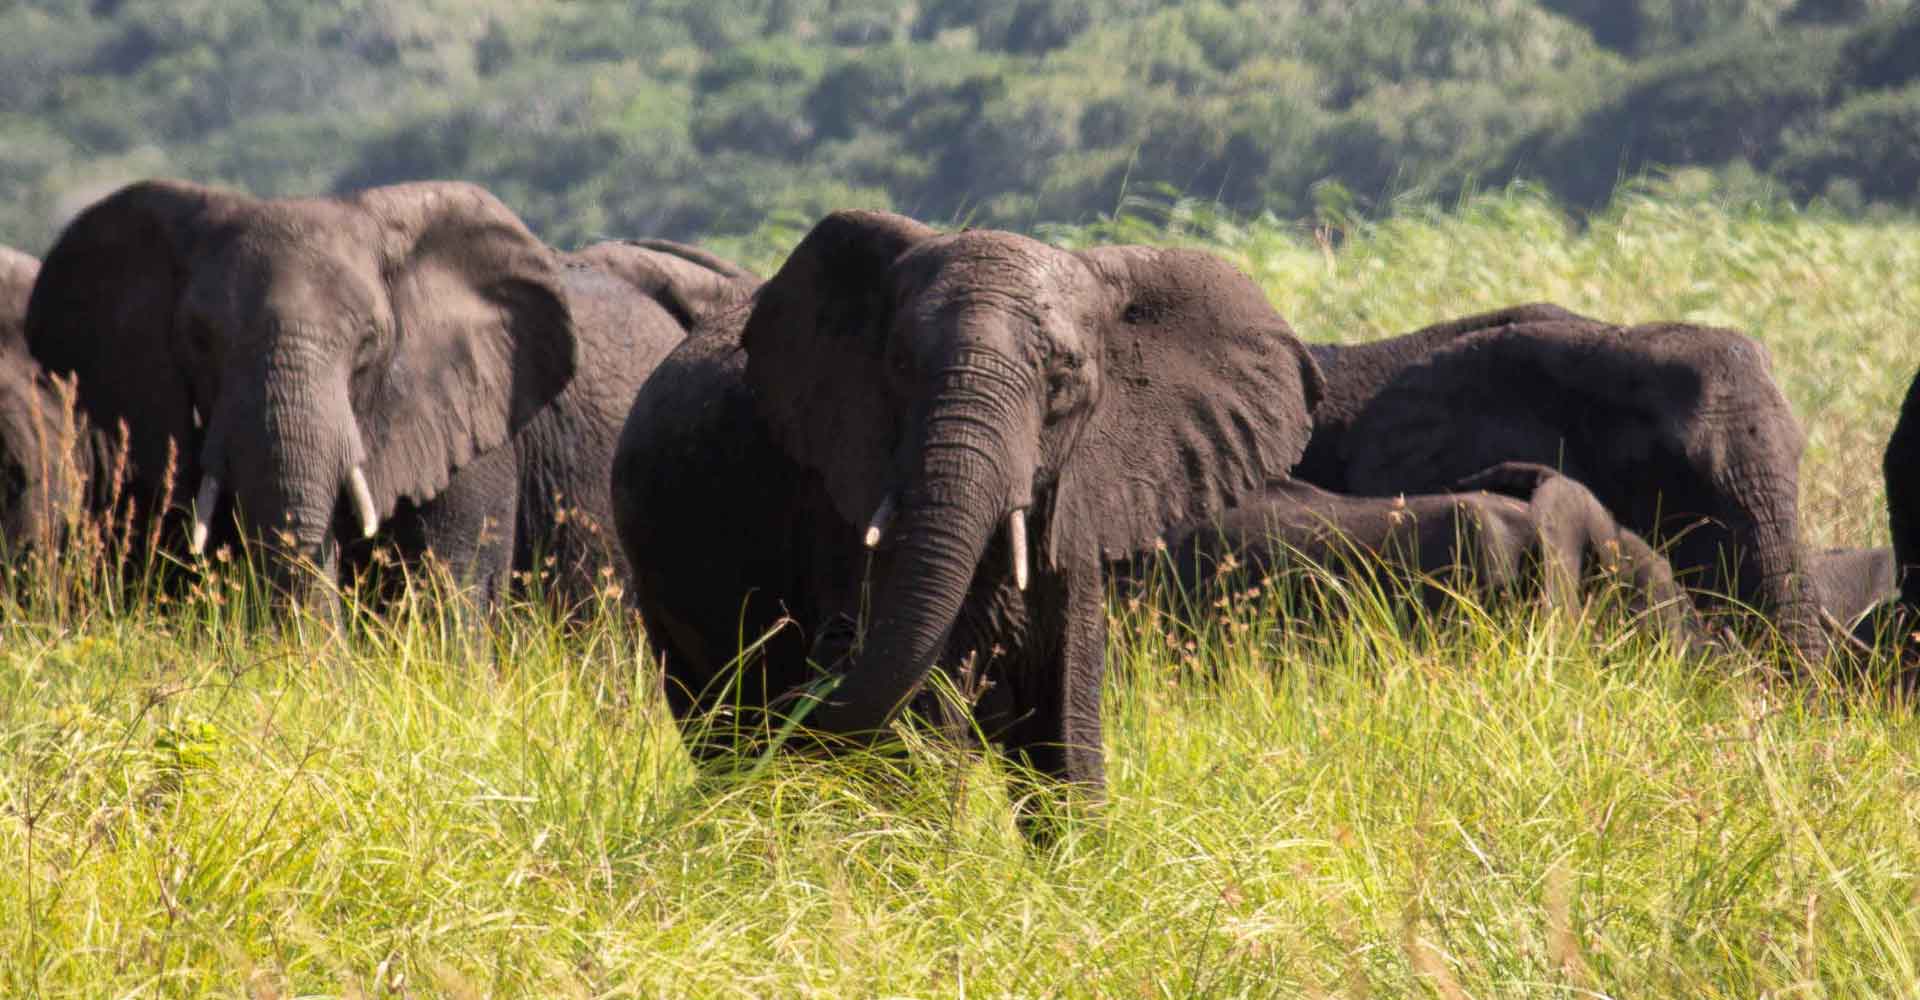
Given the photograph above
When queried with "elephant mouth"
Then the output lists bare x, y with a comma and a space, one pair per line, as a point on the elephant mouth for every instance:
207, 500
1016, 521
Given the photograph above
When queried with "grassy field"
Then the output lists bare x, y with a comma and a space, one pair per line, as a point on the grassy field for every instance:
1500, 805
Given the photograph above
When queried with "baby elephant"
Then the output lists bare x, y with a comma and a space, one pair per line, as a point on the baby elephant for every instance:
1851, 582
1483, 540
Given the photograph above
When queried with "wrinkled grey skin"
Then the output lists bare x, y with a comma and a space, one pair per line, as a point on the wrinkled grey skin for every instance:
1679, 430
44, 455
1517, 529
688, 282
416, 332
1099, 396
1851, 582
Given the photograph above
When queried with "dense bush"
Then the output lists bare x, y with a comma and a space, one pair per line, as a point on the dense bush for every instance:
691, 117
1732, 100
1869, 148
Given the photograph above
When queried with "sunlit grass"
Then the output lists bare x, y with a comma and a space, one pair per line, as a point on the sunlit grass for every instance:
203, 799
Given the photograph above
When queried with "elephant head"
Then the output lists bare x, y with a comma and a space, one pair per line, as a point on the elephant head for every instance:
42, 453
1004, 414
297, 358
1679, 429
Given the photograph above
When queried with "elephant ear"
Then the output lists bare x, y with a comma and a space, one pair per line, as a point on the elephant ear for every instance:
1561, 394
103, 309
17, 271
815, 340
688, 282
1205, 397
483, 337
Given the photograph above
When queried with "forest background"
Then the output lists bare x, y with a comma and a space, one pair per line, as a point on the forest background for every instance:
716, 118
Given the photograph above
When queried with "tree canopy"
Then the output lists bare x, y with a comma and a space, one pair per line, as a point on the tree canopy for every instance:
692, 118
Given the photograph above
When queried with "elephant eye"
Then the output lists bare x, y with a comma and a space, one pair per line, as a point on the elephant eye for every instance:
1135, 313
367, 351
1063, 384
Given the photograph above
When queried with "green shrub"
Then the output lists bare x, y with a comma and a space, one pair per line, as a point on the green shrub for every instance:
1731, 101
1871, 143
1885, 52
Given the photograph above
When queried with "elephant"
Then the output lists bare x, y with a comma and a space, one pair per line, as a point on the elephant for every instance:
1900, 467
44, 453
404, 364
1517, 528
912, 450
17, 271
686, 281
1678, 429
1894, 623
1851, 582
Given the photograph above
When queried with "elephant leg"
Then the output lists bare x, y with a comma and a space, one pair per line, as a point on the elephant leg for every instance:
469, 529
1054, 724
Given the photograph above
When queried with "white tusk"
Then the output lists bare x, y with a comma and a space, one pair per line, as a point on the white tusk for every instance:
203, 505
197, 424
1017, 540
878, 524
363, 502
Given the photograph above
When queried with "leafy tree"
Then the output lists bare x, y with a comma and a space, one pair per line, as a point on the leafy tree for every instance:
695, 118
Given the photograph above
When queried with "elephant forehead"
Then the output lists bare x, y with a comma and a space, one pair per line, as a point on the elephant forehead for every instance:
984, 264
1716, 352
287, 269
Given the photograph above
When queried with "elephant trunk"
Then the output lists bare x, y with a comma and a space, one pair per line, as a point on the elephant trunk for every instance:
287, 461
974, 479
1778, 583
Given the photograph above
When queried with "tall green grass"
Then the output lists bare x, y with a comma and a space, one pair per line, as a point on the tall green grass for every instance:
203, 799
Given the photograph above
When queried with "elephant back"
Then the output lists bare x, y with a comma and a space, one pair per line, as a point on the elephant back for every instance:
689, 283
1356, 374
17, 271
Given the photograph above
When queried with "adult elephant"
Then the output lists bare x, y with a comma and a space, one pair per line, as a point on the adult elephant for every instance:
1901, 468
44, 455
407, 362
1678, 429
1895, 623
993, 417
686, 281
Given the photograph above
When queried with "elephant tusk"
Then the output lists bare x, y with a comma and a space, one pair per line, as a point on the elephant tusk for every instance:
363, 502
203, 505
878, 524
1017, 541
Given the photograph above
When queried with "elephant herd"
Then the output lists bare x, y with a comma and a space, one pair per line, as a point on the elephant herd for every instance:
906, 451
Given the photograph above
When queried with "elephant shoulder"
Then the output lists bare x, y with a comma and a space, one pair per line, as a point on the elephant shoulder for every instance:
693, 412
1511, 393
623, 334
1356, 375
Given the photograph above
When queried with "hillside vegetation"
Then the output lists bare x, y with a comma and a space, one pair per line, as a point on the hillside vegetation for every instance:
1499, 805
703, 117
